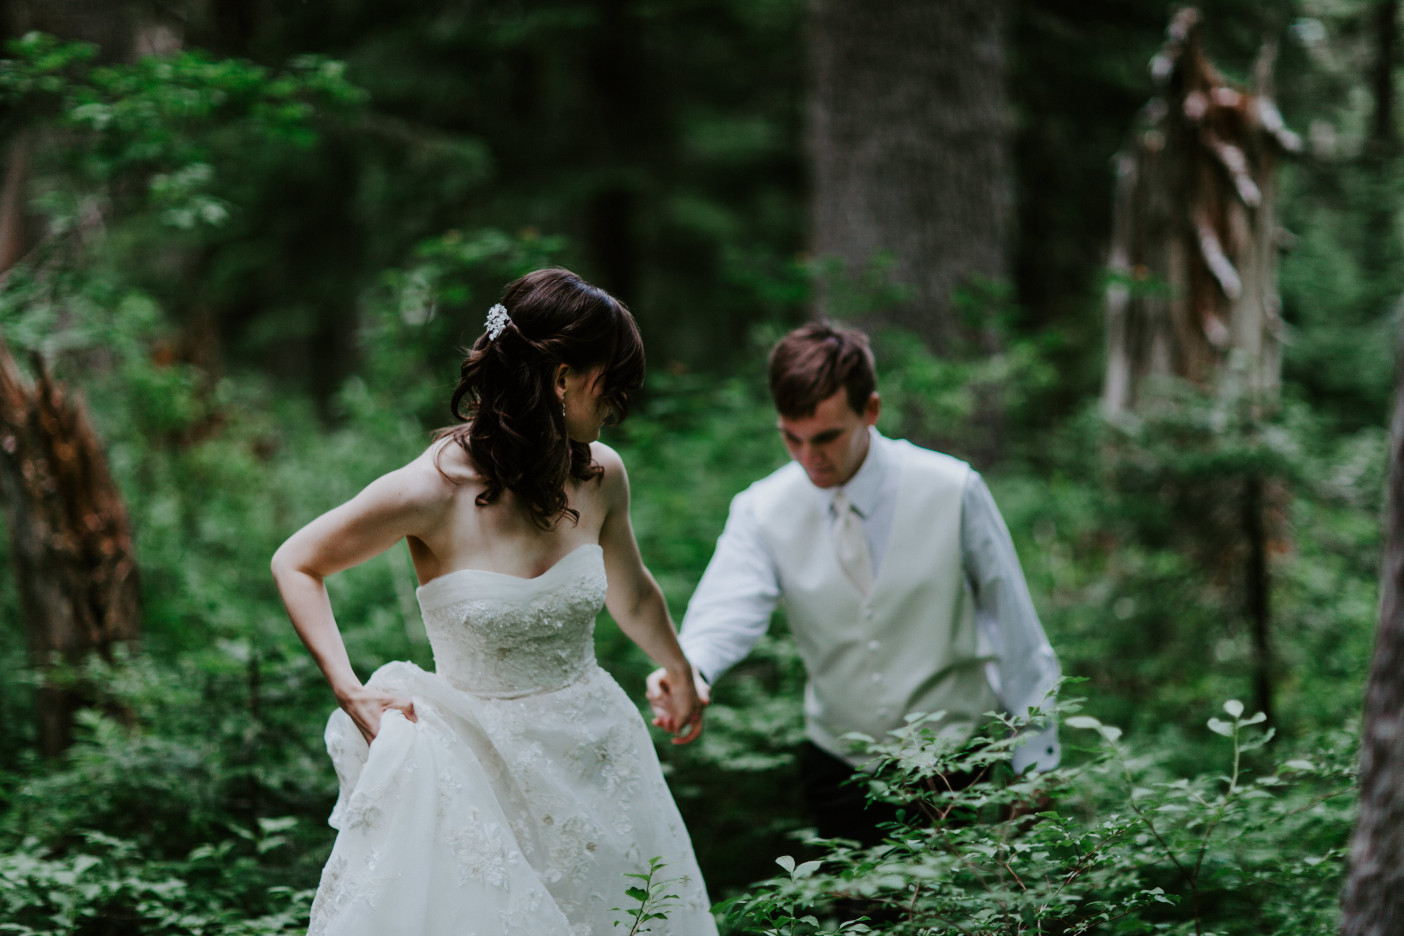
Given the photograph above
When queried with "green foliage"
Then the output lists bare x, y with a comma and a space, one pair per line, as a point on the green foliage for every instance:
163, 121
213, 278
651, 895
1111, 845
105, 885
433, 308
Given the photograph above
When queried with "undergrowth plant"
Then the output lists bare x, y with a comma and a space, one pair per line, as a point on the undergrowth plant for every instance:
651, 898
1111, 844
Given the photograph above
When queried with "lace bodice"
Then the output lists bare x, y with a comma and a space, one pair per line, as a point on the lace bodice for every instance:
505, 636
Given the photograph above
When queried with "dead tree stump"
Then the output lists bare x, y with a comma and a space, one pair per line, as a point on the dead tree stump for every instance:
70, 540
1195, 233
1194, 297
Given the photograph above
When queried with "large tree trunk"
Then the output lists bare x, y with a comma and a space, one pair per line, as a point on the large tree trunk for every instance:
1195, 233
909, 143
1374, 895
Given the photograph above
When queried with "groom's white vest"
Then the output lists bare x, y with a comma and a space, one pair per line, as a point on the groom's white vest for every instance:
911, 645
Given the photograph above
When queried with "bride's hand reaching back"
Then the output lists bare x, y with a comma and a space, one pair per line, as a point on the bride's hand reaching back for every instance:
367, 706
390, 508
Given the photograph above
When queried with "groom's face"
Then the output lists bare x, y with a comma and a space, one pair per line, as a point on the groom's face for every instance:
831, 443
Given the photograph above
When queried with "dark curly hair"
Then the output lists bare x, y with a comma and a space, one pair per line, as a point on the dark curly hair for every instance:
509, 419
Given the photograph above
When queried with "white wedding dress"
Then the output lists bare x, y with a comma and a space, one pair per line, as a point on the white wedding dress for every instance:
525, 792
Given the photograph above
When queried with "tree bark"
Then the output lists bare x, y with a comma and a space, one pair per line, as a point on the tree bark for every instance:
1373, 903
1195, 233
70, 539
1386, 35
14, 231
1195, 298
1379, 158
909, 143
70, 536
1258, 591
627, 122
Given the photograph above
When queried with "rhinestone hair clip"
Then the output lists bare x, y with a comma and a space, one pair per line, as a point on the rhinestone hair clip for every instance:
496, 321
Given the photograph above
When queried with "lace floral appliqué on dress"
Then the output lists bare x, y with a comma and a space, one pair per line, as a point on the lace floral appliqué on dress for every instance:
525, 791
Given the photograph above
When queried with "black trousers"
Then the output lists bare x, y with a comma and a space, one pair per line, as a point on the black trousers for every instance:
840, 808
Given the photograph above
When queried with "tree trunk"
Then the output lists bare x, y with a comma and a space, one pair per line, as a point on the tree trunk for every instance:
1380, 249
1195, 233
909, 143
1386, 32
14, 232
69, 535
1194, 256
1373, 904
627, 122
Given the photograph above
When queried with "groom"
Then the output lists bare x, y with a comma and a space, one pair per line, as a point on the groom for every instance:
900, 581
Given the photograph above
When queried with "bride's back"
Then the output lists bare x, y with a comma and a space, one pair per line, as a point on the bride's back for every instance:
496, 537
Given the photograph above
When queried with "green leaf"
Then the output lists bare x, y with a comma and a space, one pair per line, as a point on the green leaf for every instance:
1221, 727
1256, 743
277, 824
786, 862
1082, 721
1234, 708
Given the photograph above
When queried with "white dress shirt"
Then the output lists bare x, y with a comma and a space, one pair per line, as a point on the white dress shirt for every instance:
734, 601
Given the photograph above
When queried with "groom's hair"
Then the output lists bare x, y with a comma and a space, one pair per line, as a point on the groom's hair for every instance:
814, 362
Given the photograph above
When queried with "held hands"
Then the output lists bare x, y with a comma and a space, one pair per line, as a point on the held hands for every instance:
367, 706
677, 700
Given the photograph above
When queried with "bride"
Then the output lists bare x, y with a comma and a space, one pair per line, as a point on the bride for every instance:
511, 790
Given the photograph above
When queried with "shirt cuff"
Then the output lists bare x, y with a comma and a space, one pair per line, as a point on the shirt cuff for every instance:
1039, 751
707, 664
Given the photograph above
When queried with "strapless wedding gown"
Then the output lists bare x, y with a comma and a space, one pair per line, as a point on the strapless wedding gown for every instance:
525, 792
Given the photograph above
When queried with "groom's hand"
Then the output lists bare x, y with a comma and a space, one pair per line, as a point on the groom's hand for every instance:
665, 700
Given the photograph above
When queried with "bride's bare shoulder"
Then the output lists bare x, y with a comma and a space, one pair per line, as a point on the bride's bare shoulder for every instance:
442, 473
447, 462
614, 483
607, 458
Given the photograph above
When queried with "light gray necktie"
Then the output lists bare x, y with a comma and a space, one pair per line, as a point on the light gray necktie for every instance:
850, 544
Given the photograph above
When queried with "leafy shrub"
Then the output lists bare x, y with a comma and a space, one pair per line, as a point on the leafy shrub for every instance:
1123, 847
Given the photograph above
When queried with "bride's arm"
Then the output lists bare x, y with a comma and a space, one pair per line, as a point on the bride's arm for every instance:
636, 603
393, 506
